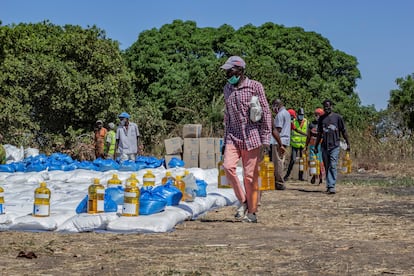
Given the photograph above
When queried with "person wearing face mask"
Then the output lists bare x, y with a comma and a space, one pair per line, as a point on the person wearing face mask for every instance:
330, 128
99, 138
127, 138
281, 136
244, 138
311, 144
297, 141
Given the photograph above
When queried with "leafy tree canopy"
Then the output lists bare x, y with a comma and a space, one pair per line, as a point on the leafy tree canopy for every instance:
177, 67
402, 102
54, 78
58, 80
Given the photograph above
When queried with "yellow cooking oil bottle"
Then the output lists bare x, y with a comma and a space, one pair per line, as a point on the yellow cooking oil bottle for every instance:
41, 206
222, 181
305, 161
301, 164
1, 200
167, 176
346, 163
148, 179
266, 174
313, 165
180, 184
96, 194
131, 199
186, 172
114, 181
132, 178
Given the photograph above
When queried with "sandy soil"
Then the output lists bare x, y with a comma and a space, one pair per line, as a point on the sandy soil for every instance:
361, 230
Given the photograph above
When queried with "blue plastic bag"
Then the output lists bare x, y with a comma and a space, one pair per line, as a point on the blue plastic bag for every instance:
7, 168
169, 192
116, 194
104, 165
128, 165
18, 166
85, 165
201, 188
175, 162
150, 202
82, 206
36, 167
109, 205
149, 161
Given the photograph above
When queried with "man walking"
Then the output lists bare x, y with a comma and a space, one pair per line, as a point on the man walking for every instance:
281, 134
330, 127
244, 138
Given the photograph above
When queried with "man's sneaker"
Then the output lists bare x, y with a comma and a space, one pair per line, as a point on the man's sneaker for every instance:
280, 186
313, 179
331, 191
250, 217
241, 211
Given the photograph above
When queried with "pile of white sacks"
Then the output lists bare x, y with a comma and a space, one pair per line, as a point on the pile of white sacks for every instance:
68, 189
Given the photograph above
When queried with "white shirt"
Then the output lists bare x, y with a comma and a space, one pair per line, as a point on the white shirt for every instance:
128, 139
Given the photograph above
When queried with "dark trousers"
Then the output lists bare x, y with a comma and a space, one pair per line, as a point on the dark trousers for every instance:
295, 152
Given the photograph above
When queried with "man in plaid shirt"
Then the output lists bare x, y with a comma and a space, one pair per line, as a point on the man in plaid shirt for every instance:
244, 138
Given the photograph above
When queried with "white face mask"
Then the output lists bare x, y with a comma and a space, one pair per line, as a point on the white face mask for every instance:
123, 122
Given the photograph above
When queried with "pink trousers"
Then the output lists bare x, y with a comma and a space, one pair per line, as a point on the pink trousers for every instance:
250, 161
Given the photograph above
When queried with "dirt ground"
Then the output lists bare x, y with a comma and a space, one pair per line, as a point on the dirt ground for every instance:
361, 230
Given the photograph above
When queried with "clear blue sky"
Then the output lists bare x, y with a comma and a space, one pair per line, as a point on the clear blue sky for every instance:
379, 33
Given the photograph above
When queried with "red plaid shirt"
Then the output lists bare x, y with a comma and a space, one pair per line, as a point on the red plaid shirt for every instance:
239, 130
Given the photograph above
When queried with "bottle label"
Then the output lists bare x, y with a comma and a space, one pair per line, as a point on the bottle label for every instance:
41, 196
224, 181
129, 194
259, 182
149, 179
99, 205
41, 210
1, 194
114, 184
312, 171
301, 167
129, 208
100, 191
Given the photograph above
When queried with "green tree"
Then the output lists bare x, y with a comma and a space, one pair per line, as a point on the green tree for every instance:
177, 67
54, 78
402, 101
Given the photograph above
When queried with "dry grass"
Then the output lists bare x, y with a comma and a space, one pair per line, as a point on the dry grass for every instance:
362, 230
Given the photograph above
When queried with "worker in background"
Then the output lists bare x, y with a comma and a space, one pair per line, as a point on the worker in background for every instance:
110, 141
99, 139
298, 136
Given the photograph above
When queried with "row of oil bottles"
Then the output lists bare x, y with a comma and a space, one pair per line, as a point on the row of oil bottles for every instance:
96, 194
267, 170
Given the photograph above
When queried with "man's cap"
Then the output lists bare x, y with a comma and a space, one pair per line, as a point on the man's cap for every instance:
292, 112
232, 62
124, 115
301, 111
111, 125
319, 111
99, 122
